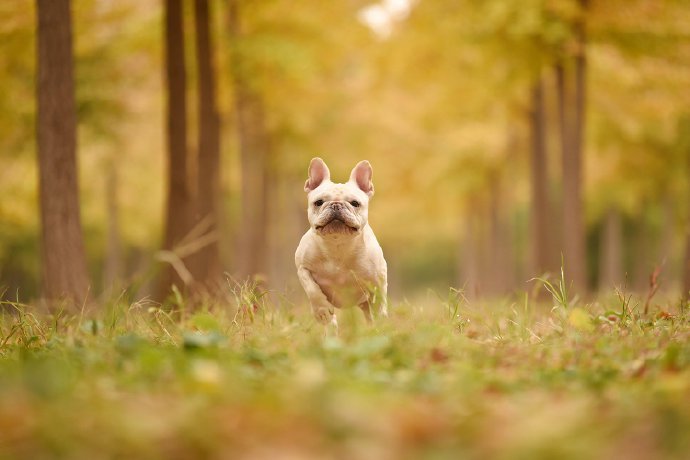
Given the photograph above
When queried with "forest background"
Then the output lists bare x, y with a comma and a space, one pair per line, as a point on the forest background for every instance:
506, 138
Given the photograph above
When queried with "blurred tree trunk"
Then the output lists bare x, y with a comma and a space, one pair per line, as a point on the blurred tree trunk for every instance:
667, 238
610, 252
178, 192
253, 156
64, 261
539, 227
643, 259
205, 264
469, 259
279, 237
112, 269
497, 275
686, 264
572, 136
686, 259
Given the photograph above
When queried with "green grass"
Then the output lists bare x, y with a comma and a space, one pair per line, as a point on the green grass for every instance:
441, 378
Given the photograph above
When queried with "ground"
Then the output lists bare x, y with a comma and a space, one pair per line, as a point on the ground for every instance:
440, 378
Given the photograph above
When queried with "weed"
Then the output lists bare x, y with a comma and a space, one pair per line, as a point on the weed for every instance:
559, 290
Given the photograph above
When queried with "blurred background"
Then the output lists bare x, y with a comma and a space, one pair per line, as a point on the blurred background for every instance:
505, 137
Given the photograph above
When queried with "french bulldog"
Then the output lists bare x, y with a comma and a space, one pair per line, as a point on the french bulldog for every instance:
339, 261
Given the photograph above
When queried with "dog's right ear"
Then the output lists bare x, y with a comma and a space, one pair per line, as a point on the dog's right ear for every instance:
318, 172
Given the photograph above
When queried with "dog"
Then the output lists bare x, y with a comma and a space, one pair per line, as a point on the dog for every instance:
339, 261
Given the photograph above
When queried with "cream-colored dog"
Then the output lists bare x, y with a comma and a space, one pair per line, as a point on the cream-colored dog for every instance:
339, 262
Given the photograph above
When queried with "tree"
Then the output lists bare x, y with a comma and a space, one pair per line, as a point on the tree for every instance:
683, 149
639, 169
253, 146
64, 260
572, 133
178, 188
610, 251
112, 266
540, 228
686, 260
205, 264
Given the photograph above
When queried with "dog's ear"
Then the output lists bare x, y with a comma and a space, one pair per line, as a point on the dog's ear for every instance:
318, 172
361, 176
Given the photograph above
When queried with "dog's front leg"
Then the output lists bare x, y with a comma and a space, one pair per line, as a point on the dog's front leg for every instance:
323, 310
382, 288
367, 305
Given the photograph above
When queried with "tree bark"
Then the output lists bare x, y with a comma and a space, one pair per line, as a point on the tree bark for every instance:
64, 261
205, 264
253, 146
611, 252
572, 135
178, 192
539, 227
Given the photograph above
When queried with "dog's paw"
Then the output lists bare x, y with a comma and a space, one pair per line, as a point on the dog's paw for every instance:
324, 315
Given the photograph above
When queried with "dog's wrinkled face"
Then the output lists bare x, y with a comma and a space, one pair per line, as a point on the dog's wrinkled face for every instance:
338, 209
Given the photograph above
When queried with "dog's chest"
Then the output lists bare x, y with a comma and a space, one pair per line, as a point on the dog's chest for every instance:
343, 283
335, 273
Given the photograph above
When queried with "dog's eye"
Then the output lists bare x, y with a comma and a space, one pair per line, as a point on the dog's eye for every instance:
318, 202
355, 203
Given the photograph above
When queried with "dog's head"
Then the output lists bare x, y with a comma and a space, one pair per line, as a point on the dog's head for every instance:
338, 209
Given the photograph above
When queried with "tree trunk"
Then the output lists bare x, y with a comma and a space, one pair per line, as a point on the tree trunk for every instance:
643, 260
178, 193
468, 259
539, 227
205, 264
112, 269
254, 200
253, 156
686, 259
496, 277
610, 252
666, 257
686, 265
572, 134
64, 260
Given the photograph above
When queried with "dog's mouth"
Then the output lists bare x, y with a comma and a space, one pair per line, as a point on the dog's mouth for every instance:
336, 225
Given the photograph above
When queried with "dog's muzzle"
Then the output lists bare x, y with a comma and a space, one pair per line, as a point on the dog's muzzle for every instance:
337, 220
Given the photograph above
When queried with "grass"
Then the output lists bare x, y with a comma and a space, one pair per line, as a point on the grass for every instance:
441, 378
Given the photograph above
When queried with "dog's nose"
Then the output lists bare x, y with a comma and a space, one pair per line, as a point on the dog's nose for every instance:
336, 206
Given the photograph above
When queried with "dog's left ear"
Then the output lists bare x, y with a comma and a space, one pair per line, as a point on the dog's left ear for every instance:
361, 176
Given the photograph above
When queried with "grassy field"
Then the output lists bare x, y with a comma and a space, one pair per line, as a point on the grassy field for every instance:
441, 378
